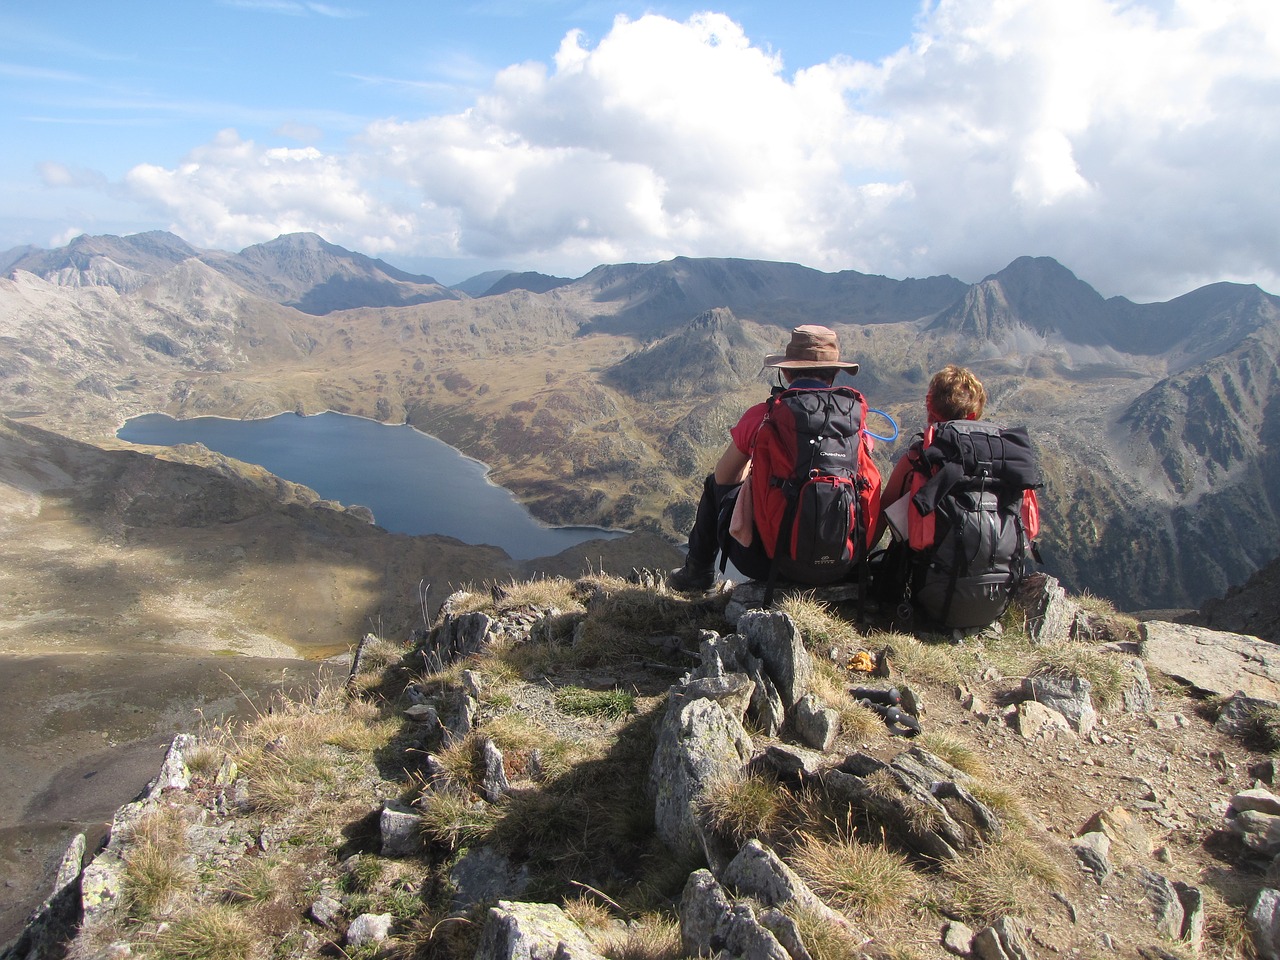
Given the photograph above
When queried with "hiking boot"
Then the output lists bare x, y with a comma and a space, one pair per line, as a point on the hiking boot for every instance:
692, 576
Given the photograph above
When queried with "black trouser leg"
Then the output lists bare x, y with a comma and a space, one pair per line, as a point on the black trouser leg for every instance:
704, 538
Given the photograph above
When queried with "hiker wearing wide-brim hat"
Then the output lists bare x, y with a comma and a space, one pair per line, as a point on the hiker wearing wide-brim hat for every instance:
811, 361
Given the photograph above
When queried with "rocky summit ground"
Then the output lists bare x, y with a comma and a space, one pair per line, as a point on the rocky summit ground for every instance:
603, 768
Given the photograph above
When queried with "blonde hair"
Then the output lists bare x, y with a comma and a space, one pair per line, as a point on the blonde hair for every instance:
956, 394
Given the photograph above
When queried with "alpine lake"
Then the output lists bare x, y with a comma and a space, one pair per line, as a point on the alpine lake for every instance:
413, 482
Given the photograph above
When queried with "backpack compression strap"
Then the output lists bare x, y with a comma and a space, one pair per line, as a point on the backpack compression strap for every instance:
972, 448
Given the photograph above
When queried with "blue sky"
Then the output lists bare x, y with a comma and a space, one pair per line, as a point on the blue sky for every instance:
1136, 142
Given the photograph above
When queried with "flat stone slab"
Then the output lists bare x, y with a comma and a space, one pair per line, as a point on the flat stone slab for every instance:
1211, 660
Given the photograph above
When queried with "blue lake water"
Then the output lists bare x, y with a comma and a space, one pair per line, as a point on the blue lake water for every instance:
412, 482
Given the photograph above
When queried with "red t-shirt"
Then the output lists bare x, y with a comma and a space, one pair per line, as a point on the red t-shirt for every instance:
744, 431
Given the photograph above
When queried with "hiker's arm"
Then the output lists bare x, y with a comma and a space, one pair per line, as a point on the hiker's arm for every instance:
897, 485
732, 466
893, 490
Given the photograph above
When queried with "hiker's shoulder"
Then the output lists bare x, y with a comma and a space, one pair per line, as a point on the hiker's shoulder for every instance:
745, 429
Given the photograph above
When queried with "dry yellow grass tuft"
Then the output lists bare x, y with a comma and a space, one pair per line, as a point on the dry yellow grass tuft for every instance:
1104, 671
825, 940
209, 932
157, 879
998, 880
956, 751
814, 619
937, 663
830, 685
651, 936
866, 879
547, 593
454, 820
746, 809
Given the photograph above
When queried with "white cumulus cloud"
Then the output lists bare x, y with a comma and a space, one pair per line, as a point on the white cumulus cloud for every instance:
1134, 142
233, 192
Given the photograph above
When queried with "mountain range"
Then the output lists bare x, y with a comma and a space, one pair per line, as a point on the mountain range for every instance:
605, 398
300, 270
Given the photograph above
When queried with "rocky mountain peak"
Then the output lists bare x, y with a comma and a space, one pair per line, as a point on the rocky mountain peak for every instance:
1036, 294
122, 263
712, 354
309, 259
304, 271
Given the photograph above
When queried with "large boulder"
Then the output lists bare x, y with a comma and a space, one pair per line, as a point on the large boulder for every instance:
1210, 660
698, 744
711, 924
1068, 696
532, 931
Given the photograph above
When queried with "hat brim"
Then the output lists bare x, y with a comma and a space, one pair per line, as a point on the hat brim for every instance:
780, 361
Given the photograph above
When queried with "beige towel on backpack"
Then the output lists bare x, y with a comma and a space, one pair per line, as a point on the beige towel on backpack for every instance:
742, 525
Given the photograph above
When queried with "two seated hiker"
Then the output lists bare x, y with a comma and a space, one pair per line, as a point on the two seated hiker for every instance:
796, 497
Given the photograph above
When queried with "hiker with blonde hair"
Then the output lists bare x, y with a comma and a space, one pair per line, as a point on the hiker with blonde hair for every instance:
963, 509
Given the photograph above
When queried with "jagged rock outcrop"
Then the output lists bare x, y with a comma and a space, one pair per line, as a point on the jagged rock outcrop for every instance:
698, 746
920, 798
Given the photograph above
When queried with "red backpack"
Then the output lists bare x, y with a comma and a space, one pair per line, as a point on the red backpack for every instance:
815, 489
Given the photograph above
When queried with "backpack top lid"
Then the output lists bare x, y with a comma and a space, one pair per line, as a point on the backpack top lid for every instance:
960, 450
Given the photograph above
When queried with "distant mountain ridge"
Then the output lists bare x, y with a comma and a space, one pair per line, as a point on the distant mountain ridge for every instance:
533, 282
299, 270
603, 399
1038, 295
783, 293
480, 284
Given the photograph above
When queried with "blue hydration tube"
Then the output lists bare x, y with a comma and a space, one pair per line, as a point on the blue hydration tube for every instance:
891, 423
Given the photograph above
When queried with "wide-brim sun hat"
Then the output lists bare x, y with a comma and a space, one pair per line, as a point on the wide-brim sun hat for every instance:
811, 347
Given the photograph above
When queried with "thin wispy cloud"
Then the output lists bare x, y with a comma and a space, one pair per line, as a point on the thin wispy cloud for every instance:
294, 9
402, 83
16, 35
113, 110
338, 13
41, 74
94, 121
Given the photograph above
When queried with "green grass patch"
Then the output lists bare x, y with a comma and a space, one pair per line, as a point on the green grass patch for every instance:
608, 704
